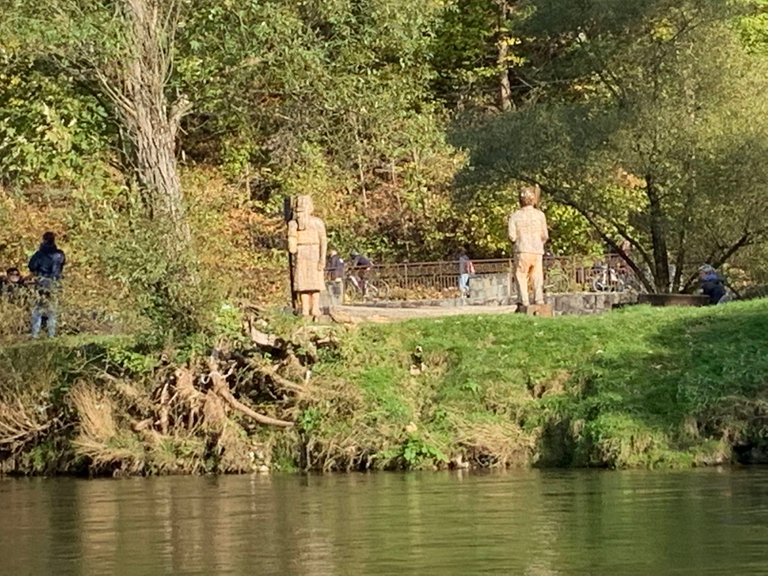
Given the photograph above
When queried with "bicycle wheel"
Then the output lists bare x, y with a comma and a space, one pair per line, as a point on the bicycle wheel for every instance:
351, 289
383, 289
371, 290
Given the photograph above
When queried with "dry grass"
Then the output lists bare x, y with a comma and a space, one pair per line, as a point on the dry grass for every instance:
489, 444
14, 318
100, 438
22, 418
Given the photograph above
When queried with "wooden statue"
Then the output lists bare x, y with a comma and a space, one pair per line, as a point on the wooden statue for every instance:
528, 232
307, 242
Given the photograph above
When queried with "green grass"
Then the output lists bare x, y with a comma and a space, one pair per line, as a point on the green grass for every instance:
637, 387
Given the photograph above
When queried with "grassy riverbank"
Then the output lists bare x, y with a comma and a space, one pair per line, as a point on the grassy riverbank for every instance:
638, 387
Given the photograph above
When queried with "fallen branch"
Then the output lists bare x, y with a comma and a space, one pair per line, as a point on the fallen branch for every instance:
283, 382
221, 389
262, 339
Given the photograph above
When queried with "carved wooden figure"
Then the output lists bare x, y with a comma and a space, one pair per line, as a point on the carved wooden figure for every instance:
308, 243
528, 232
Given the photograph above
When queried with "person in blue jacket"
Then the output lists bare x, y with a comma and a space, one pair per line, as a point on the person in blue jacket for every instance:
712, 284
47, 268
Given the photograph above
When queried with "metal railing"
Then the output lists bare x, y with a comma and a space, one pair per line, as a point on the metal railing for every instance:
436, 279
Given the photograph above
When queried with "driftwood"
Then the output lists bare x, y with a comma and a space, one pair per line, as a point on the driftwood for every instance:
165, 400
262, 339
18, 423
221, 389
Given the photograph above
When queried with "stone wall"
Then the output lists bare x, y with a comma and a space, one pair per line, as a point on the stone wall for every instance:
589, 302
491, 288
494, 289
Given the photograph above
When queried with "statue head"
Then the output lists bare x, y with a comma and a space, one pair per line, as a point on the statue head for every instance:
304, 208
528, 196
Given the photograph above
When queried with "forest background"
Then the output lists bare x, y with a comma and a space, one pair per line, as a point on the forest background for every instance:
159, 137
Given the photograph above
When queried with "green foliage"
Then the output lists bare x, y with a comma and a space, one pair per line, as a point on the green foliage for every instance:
49, 130
331, 100
753, 25
351, 101
417, 450
130, 361
175, 303
309, 420
466, 54
645, 143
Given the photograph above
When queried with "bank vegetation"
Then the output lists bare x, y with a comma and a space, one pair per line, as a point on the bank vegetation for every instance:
640, 387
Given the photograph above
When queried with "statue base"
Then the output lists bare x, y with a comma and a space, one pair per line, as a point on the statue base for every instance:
543, 310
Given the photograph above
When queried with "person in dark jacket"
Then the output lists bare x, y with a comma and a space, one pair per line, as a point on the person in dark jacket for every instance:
711, 284
361, 266
335, 269
47, 268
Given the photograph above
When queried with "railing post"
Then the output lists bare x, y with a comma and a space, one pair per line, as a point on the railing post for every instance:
574, 280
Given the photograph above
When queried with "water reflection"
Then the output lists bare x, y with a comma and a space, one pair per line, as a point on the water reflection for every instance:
530, 523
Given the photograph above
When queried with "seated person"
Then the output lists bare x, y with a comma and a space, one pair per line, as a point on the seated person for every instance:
13, 284
711, 284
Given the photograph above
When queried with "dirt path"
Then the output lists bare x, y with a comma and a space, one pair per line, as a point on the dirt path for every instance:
381, 314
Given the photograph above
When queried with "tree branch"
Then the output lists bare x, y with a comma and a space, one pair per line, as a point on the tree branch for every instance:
566, 200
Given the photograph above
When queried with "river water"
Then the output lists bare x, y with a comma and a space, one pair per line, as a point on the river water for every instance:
528, 523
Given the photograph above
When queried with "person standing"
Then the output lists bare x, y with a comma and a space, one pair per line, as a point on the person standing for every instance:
527, 228
47, 268
335, 269
466, 269
361, 266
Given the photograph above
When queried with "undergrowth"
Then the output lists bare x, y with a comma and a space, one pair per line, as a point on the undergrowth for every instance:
641, 387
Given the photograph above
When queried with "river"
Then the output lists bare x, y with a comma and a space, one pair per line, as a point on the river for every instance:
531, 523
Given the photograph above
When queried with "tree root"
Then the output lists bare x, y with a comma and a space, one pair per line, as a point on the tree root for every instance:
221, 388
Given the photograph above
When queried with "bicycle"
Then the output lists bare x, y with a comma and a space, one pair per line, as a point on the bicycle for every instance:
374, 289
606, 279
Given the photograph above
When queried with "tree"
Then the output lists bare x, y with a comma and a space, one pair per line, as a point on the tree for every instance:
655, 141
122, 51
477, 57
326, 98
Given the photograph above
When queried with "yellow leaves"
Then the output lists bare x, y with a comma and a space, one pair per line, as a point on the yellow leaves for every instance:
664, 30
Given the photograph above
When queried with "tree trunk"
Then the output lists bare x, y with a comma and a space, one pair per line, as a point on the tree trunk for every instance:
502, 42
156, 171
658, 236
152, 123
